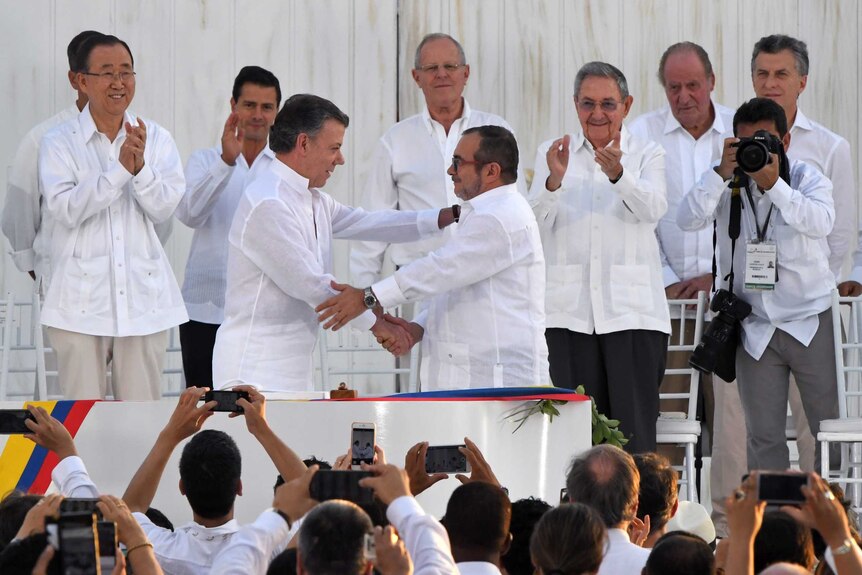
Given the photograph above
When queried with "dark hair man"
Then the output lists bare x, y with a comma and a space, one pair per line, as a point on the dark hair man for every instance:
657, 496
789, 330
494, 267
108, 178
280, 252
23, 222
477, 521
215, 179
332, 540
210, 468
606, 479
680, 553
526, 513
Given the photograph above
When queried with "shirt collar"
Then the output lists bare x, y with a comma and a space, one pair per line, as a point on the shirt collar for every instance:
579, 140
289, 175
231, 526
802, 122
671, 123
88, 125
427, 119
488, 196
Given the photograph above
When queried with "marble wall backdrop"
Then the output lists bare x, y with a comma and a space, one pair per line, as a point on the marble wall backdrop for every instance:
523, 56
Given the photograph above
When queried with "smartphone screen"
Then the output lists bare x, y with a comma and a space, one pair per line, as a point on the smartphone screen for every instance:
362, 438
12, 421
107, 532
781, 488
78, 544
340, 484
226, 400
445, 459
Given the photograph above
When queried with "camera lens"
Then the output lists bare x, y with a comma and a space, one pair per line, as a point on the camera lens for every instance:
752, 155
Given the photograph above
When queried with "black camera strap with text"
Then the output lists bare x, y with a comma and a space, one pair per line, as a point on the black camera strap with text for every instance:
733, 228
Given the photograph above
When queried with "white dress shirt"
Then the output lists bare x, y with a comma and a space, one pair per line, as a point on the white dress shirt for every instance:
485, 326
72, 479
424, 537
24, 223
830, 154
684, 255
623, 557
253, 546
604, 272
280, 269
213, 190
477, 568
189, 549
802, 217
110, 274
408, 172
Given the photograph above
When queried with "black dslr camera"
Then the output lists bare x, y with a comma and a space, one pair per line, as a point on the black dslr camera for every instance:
716, 352
753, 153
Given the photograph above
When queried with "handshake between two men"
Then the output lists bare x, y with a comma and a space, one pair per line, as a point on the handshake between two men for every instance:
395, 334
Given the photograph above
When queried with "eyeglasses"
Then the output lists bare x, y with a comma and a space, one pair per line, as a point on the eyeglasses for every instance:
606, 105
434, 69
458, 162
123, 77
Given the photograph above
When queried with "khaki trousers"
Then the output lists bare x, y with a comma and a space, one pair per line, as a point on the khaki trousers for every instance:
82, 364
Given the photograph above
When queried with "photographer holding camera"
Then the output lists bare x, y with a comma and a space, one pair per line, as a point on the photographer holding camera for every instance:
779, 267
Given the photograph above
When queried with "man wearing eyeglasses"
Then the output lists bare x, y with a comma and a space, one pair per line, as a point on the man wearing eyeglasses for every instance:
108, 177
408, 169
597, 195
484, 322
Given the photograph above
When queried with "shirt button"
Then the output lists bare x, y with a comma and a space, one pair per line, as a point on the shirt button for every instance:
120, 264
122, 292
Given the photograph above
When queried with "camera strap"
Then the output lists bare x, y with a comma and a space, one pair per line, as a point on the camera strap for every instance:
733, 228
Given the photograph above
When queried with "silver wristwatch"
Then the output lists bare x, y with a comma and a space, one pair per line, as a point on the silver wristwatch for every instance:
369, 298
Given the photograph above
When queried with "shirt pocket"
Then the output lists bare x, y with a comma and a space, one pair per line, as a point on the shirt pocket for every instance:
87, 286
146, 284
630, 289
454, 362
563, 288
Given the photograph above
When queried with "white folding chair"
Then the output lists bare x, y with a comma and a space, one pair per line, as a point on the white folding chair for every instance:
683, 428
847, 429
364, 356
24, 345
6, 343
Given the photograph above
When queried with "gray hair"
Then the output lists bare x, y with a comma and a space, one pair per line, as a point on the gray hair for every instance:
602, 70
780, 42
684, 48
607, 479
462, 58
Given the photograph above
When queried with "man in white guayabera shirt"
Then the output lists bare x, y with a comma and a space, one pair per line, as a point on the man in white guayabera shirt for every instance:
280, 254
215, 180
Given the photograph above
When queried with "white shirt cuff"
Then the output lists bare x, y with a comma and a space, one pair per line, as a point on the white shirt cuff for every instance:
427, 222
364, 321
402, 508
145, 177
669, 276
388, 293
25, 260
67, 467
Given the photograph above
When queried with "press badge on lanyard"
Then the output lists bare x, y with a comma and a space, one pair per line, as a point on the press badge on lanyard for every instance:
761, 265
761, 256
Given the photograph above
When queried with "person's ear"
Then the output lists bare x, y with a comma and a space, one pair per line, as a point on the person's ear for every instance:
675, 507
232, 105
239, 487
627, 105
182, 487
507, 544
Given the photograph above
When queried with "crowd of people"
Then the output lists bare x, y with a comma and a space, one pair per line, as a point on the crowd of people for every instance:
620, 515
564, 281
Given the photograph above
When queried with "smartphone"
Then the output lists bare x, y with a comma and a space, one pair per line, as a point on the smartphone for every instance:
340, 484
12, 421
226, 400
781, 487
446, 459
72, 505
76, 540
106, 532
363, 436
564, 496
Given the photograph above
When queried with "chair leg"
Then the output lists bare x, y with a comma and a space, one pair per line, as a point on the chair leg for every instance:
824, 460
689, 470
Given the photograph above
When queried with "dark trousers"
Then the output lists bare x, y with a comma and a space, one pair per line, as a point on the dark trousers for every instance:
622, 371
197, 340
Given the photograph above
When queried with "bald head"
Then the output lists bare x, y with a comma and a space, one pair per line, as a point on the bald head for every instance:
785, 569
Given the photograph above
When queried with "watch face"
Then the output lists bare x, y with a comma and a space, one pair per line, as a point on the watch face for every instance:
370, 301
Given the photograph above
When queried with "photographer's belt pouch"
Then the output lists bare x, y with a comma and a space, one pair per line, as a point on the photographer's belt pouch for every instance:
761, 266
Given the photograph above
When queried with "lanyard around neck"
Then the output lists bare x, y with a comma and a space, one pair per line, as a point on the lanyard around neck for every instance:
761, 233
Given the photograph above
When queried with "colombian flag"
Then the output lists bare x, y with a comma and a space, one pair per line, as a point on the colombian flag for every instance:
26, 466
